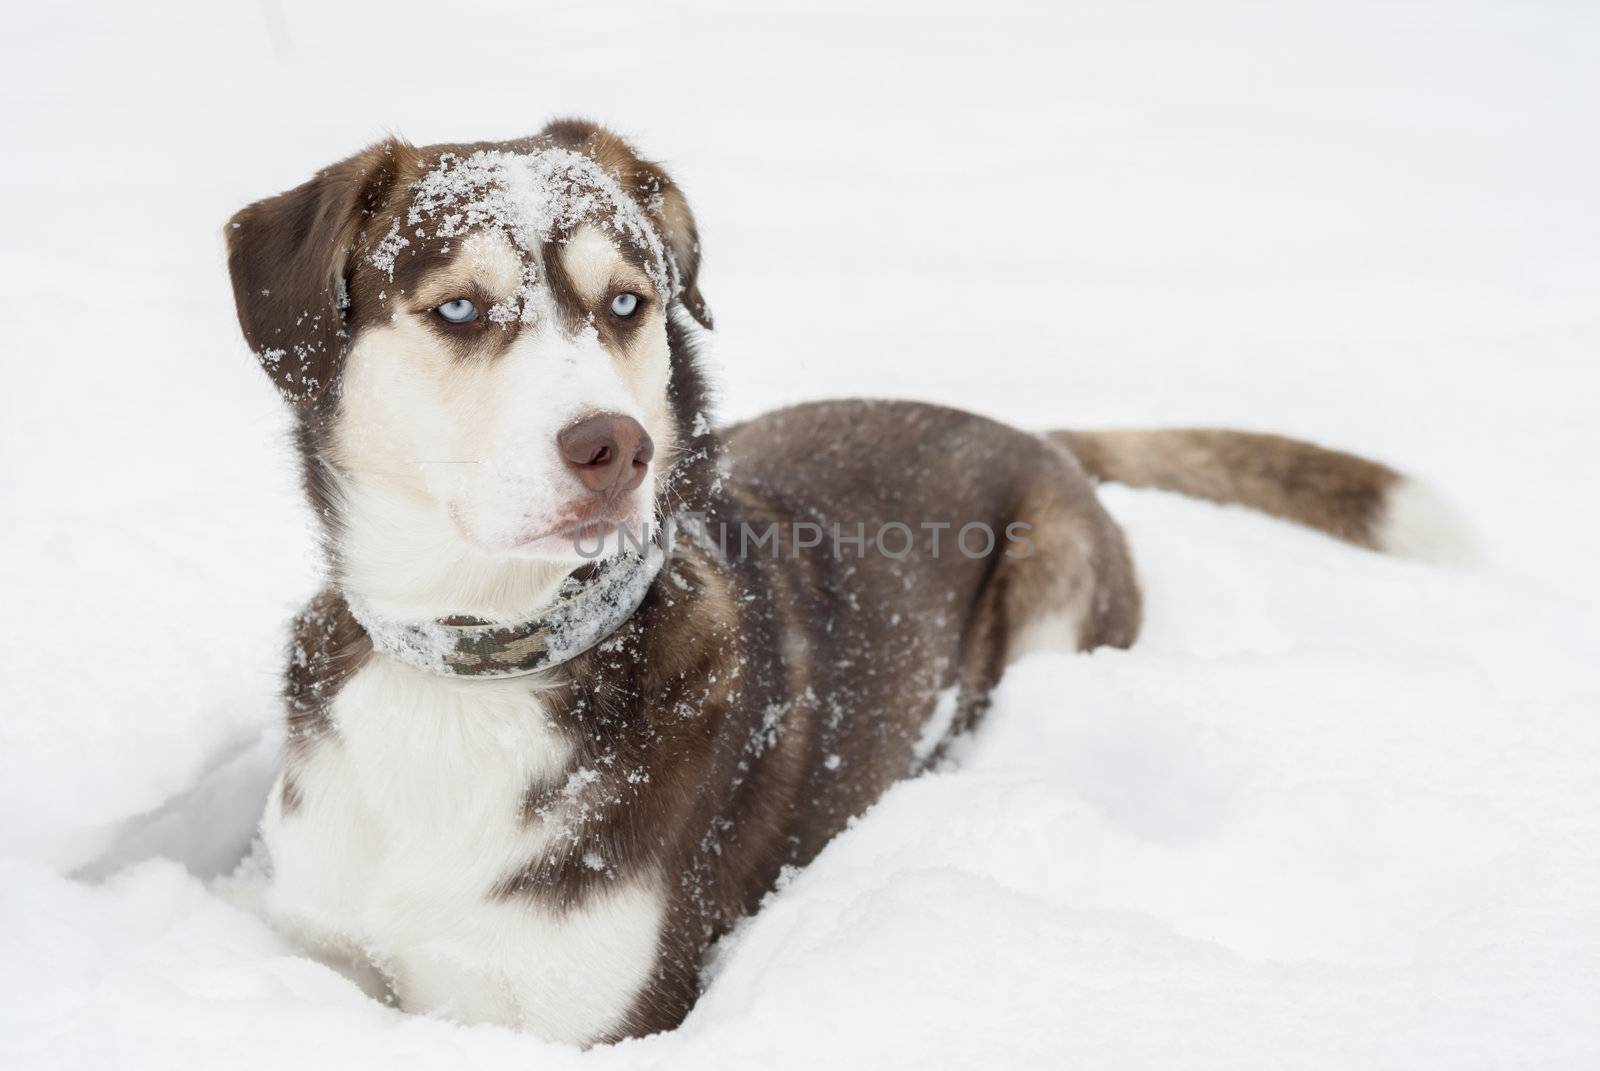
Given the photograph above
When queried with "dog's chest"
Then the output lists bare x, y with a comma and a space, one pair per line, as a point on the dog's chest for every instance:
408, 818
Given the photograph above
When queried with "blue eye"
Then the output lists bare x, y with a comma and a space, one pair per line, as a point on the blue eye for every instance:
624, 304
459, 311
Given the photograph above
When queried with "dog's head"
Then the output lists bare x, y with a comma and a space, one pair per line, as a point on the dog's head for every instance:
480, 339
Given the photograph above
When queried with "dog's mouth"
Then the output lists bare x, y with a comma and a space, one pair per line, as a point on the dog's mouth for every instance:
581, 527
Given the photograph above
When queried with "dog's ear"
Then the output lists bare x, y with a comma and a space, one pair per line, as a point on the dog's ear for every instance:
683, 239
289, 257
650, 185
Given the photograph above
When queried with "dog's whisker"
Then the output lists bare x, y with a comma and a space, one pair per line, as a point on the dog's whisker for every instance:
398, 474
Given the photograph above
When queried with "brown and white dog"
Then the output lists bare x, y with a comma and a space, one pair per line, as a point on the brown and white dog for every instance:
529, 787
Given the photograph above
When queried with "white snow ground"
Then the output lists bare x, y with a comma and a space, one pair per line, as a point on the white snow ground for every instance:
1334, 811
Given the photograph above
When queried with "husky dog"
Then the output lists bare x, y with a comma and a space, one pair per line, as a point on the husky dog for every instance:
590, 671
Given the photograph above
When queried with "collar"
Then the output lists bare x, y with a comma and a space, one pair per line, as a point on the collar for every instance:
584, 613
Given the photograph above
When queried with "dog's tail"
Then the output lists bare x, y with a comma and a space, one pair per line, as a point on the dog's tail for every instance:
1348, 497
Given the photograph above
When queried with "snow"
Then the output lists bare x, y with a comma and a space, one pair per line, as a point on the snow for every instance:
526, 198
1334, 810
530, 198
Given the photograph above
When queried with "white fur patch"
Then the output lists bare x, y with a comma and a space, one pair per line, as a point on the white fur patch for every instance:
407, 820
589, 260
1417, 523
1059, 628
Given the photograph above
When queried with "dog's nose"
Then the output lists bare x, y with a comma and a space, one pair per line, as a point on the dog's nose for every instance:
609, 452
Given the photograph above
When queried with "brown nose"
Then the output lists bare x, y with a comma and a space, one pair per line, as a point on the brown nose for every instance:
609, 452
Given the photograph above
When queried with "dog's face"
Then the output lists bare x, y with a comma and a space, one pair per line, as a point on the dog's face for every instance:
482, 333
509, 357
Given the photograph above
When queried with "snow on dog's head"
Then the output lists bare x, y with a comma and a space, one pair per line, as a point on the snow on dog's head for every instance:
480, 341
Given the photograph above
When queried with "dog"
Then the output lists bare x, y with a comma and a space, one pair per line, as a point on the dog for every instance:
589, 672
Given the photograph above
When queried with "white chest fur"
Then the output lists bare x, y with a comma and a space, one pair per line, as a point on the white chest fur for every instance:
408, 818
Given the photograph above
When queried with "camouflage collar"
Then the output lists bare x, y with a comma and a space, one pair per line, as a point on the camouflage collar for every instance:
584, 613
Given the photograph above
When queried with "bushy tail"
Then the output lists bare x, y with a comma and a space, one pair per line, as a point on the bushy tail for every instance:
1346, 496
